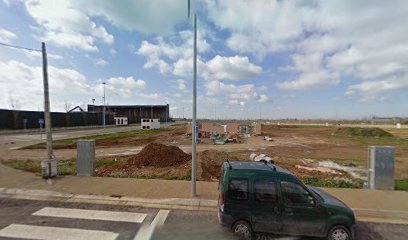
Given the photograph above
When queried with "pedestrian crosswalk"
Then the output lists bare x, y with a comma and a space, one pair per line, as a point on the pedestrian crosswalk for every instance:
54, 233
91, 214
24, 231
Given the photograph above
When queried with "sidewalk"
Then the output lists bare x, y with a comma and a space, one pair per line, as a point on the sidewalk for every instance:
369, 205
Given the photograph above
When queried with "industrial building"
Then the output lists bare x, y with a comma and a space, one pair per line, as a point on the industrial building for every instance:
135, 113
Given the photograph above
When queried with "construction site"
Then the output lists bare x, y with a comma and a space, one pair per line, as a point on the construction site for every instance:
337, 155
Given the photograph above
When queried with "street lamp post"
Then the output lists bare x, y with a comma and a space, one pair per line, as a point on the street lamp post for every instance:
194, 120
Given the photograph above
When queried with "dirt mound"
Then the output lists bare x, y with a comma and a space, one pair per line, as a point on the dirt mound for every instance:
362, 132
211, 161
159, 155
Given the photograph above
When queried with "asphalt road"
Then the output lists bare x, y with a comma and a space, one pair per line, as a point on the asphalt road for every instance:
16, 140
24, 219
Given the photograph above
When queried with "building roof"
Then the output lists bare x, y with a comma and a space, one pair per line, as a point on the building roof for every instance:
126, 106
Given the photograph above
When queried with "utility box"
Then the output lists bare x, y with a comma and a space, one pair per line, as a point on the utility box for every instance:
381, 167
85, 158
152, 123
49, 168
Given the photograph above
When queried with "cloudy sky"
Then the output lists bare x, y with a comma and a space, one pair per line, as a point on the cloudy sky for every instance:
275, 59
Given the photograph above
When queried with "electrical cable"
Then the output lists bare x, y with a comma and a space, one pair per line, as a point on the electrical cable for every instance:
19, 47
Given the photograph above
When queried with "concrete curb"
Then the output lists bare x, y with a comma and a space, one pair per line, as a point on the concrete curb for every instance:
166, 203
364, 215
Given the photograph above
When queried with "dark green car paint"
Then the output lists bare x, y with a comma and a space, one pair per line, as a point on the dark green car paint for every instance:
315, 219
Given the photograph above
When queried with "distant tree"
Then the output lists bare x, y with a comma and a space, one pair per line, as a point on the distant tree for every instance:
67, 106
14, 103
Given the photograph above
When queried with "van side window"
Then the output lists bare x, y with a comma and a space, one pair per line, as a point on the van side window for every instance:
265, 191
238, 189
295, 194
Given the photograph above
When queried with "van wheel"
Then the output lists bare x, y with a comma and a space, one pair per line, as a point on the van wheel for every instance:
339, 233
243, 230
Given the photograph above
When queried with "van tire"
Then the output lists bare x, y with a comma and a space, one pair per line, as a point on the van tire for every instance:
339, 232
243, 230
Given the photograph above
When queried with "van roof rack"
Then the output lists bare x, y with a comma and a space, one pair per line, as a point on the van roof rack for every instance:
229, 164
269, 165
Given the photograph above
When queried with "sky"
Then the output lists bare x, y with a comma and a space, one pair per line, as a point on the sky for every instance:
256, 59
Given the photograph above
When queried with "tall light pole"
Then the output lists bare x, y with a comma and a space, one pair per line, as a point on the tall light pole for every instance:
103, 110
194, 119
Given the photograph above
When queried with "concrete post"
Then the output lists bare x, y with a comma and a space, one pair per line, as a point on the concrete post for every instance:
85, 158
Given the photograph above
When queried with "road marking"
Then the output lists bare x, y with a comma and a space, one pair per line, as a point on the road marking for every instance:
54, 233
146, 231
91, 214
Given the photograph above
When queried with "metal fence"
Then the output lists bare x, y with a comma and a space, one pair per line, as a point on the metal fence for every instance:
16, 119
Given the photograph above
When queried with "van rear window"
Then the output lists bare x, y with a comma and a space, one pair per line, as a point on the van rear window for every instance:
238, 189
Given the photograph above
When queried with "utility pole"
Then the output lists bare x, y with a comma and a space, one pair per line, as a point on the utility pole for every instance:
103, 110
194, 120
49, 166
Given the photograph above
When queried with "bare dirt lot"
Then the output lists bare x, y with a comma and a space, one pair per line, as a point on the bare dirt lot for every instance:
321, 152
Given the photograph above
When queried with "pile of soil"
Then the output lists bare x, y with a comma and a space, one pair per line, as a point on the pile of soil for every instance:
362, 132
211, 161
159, 155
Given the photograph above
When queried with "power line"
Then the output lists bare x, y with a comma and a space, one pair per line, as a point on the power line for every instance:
19, 47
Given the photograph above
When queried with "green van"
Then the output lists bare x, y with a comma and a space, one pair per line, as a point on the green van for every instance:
262, 197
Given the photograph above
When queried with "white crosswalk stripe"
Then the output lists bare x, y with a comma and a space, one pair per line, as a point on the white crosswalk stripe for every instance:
54, 233
60, 233
146, 231
91, 214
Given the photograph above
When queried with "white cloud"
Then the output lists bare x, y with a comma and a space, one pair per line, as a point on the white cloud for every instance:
235, 93
181, 85
163, 55
100, 62
38, 55
260, 26
125, 87
364, 40
24, 83
231, 68
311, 73
6, 36
66, 25
112, 51
377, 90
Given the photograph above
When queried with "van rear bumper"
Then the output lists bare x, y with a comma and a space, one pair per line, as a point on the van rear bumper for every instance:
224, 219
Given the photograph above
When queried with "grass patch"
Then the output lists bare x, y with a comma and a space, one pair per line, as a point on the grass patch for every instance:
71, 142
186, 177
64, 167
25, 165
401, 184
332, 183
362, 132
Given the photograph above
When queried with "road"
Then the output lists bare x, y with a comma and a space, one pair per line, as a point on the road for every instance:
14, 141
23, 219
